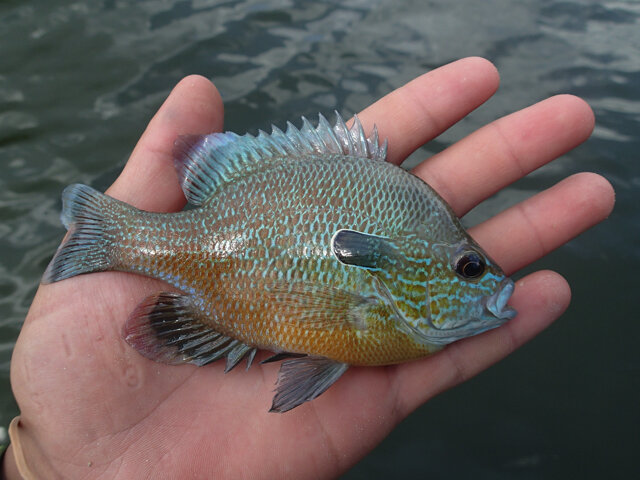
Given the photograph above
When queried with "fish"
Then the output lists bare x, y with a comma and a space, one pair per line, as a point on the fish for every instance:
304, 242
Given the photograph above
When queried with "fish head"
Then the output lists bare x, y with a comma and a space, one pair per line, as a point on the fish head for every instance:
465, 293
439, 292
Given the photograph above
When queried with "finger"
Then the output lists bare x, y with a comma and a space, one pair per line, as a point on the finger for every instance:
425, 107
505, 150
148, 180
542, 223
539, 298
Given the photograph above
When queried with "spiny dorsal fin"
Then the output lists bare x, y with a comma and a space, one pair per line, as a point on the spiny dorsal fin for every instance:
205, 162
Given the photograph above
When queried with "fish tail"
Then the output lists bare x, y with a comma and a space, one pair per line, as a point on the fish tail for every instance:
85, 213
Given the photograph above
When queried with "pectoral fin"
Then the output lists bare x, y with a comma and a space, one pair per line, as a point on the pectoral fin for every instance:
321, 306
165, 328
303, 379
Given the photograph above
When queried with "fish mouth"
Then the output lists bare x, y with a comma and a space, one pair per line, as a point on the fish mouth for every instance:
497, 303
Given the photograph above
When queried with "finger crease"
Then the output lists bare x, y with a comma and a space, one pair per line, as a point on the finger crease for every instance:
399, 407
510, 152
542, 248
436, 182
460, 373
425, 113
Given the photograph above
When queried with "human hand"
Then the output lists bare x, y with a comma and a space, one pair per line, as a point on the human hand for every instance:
92, 407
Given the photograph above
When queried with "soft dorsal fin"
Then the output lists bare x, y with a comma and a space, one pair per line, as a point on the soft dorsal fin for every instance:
205, 162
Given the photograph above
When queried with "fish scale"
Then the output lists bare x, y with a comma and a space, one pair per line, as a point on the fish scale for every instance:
306, 243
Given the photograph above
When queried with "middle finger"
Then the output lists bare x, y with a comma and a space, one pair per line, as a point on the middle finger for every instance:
505, 150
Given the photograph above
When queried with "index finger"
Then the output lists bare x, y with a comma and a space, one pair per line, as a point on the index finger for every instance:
148, 180
425, 107
507, 149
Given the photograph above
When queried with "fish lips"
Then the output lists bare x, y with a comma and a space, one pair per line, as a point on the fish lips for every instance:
496, 304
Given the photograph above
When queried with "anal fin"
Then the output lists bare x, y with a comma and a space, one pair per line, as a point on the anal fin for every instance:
303, 379
165, 328
282, 356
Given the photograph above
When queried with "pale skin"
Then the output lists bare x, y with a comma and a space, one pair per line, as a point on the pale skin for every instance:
92, 407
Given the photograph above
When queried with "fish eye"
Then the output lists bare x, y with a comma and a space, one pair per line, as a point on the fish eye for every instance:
470, 265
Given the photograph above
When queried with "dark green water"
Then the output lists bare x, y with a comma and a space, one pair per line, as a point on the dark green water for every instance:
80, 80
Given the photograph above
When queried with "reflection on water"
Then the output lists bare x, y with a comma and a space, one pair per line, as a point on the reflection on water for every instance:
79, 81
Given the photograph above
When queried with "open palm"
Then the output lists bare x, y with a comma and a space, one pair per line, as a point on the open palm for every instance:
92, 407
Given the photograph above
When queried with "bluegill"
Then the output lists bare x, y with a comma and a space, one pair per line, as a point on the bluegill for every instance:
306, 243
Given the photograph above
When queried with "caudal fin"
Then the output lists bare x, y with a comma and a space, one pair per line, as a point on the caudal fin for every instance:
85, 213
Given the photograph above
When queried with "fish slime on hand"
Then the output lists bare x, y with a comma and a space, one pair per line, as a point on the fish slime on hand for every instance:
306, 243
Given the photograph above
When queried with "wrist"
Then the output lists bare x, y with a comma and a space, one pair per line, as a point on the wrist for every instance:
8, 467
23, 459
